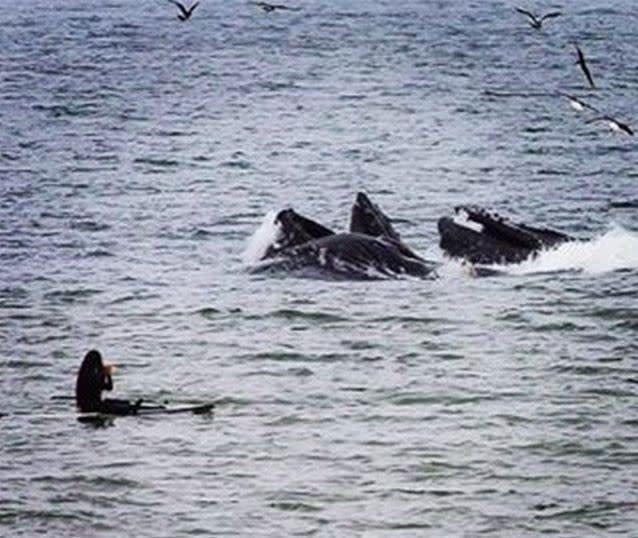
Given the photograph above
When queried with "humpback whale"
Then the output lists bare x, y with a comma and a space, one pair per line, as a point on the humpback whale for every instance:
371, 249
487, 238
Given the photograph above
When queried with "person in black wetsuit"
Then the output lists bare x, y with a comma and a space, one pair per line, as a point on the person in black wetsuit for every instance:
94, 377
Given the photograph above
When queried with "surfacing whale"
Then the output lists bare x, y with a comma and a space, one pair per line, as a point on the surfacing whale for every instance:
487, 238
370, 250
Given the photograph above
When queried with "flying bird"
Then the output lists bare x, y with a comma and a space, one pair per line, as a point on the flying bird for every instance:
614, 124
534, 20
185, 12
583, 65
269, 8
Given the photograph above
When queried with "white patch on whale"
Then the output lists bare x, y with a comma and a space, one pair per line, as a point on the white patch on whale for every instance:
461, 219
323, 256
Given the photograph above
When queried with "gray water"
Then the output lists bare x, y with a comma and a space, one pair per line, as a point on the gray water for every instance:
138, 155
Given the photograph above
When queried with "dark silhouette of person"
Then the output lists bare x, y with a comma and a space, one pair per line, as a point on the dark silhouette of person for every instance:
94, 377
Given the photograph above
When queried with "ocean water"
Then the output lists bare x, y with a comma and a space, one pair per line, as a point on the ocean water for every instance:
138, 158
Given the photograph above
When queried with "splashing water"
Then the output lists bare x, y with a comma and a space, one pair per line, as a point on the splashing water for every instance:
614, 250
264, 236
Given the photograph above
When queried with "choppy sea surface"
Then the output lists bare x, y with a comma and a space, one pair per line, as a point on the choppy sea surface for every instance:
139, 155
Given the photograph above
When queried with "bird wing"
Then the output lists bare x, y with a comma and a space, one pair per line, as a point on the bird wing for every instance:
585, 69
622, 126
496, 93
524, 12
583, 66
579, 101
180, 6
551, 15
626, 128
193, 7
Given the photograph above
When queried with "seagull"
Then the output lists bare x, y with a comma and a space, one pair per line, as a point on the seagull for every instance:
614, 124
577, 104
535, 21
269, 8
185, 12
583, 65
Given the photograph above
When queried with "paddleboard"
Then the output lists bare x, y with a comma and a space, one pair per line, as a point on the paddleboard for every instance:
199, 409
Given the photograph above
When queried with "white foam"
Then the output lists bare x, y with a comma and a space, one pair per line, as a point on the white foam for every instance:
265, 236
614, 250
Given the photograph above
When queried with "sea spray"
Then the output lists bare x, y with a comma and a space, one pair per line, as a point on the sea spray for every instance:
612, 251
264, 236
